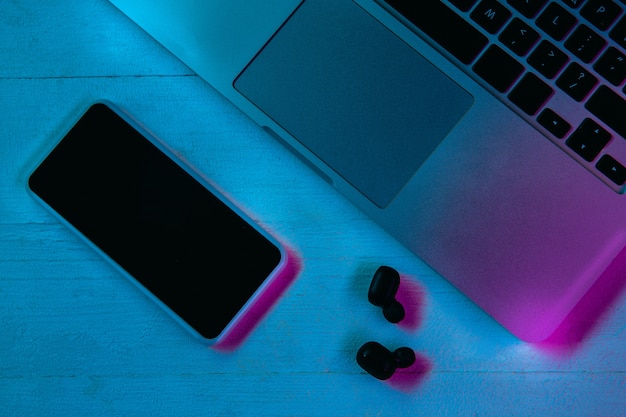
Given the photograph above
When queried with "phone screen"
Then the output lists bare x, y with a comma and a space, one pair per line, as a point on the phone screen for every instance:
154, 219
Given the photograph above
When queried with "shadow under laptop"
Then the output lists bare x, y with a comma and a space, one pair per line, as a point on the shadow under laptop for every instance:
589, 311
564, 341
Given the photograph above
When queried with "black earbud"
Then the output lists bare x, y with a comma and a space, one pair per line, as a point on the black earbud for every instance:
380, 362
382, 293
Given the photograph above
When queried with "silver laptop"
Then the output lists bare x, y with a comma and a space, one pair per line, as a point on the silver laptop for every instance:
486, 136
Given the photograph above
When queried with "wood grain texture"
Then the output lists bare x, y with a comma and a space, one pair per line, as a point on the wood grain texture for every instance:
77, 339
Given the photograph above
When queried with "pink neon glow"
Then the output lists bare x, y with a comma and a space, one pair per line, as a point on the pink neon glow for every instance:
410, 378
411, 296
587, 314
262, 305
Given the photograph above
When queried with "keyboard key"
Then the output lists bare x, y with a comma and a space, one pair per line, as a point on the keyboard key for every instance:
588, 140
610, 108
574, 4
576, 81
585, 43
618, 34
435, 19
519, 37
498, 68
601, 13
463, 5
612, 169
528, 8
556, 21
490, 15
530, 94
612, 66
547, 59
554, 123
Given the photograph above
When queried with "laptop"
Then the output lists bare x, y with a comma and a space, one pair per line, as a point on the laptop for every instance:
486, 136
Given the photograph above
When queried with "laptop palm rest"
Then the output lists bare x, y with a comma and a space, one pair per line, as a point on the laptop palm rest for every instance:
327, 78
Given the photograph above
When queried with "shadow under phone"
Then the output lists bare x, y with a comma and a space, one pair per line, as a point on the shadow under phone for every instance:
188, 247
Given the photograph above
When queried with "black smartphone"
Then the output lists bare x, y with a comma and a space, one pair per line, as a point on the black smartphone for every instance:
166, 228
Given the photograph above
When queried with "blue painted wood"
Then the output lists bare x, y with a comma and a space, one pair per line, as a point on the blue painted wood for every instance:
78, 339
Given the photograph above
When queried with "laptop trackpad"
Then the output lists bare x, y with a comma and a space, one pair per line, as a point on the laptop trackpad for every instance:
354, 94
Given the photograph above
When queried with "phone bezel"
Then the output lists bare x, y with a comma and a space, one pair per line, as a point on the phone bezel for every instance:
277, 272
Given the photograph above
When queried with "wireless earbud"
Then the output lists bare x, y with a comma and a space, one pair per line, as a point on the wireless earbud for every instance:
380, 362
382, 293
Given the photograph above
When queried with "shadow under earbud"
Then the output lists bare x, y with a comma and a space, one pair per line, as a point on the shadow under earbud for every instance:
402, 369
410, 378
411, 296
400, 297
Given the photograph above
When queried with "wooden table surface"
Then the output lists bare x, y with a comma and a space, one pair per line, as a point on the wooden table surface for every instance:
77, 339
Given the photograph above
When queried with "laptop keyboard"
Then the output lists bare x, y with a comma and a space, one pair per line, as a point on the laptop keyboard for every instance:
559, 64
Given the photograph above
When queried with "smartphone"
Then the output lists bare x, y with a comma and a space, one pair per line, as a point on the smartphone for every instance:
158, 221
